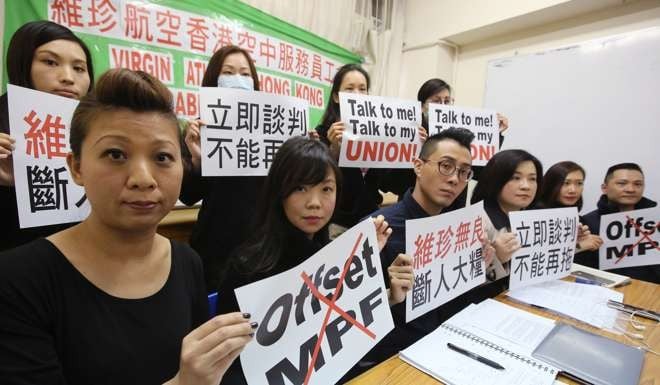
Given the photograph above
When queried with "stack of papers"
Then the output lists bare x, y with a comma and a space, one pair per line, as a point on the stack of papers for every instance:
586, 303
494, 331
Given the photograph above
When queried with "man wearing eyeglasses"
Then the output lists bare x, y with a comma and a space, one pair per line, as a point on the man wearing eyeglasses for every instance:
442, 171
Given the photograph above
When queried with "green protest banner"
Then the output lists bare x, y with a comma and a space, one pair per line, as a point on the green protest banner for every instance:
174, 39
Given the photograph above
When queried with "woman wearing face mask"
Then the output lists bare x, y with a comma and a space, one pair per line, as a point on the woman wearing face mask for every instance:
563, 184
228, 203
435, 91
46, 57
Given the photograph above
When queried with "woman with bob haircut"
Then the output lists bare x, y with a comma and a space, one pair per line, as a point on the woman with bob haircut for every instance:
46, 57
228, 203
563, 185
109, 301
296, 205
509, 182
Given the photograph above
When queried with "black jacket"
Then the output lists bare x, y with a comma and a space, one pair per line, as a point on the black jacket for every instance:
224, 220
299, 248
590, 258
359, 195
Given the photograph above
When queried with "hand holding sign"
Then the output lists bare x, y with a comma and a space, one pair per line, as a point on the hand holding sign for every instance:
401, 278
383, 231
193, 141
207, 351
6, 167
505, 244
334, 137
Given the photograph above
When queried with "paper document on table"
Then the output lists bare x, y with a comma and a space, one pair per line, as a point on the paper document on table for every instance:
432, 355
586, 303
520, 327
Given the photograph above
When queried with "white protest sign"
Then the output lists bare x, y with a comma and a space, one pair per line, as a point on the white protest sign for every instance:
379, 132
244, 129
302, 326
482, 122
547, 239
630, 238
447, 257
45, 191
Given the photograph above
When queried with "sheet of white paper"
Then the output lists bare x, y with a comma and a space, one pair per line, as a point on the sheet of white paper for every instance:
587, 303
292, 320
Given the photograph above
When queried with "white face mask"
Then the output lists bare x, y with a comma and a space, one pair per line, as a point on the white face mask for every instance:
236, 81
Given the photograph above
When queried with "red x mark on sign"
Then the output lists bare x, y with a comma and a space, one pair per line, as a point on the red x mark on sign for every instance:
332, 306
644, 236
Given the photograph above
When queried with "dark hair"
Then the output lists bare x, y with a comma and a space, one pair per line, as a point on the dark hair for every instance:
217, 60
116, 89
25, 42
462, 136
499, 170
430, 88
331, 114
621, 166
300, 161
553, 180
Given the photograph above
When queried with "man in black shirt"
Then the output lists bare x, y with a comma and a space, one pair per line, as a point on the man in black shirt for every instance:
623, 190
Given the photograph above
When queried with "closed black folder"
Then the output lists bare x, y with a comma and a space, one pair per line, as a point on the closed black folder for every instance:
592, 358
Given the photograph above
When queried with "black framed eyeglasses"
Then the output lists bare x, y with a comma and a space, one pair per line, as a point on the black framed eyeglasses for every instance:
448, 168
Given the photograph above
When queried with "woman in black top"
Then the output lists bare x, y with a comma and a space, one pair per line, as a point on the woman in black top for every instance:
563, 184
435, 91
47, 57
109, 301
294, 210
228, 203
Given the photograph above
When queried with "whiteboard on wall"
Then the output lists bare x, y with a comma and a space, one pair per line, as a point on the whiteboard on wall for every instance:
596, 103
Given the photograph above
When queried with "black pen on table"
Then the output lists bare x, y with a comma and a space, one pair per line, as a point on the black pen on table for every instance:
475, 356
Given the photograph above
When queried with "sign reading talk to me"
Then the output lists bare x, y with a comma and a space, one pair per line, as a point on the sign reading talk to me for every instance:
547, 245
482, 122
45, 192
379, 132
319, 318
630, 239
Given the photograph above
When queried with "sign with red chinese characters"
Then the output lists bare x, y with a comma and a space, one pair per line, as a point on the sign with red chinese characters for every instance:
379, 132
244, 129
173, 40
447, 257
45, 192
547, 245
482, 122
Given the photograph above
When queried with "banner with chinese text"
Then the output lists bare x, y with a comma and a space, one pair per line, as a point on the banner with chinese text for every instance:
547, 245
45, 191
173, 40
447, 257
244, 129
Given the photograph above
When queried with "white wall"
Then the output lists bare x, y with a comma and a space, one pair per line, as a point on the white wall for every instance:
487, 30
473, 58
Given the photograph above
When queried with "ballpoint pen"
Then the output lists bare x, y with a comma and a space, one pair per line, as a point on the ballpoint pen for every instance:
650, 314
475, 356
